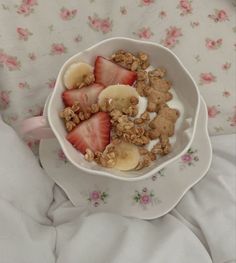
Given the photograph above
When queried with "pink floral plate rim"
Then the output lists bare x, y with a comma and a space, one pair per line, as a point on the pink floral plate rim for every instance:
146, 199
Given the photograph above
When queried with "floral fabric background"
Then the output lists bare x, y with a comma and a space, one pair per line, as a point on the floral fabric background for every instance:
36, 37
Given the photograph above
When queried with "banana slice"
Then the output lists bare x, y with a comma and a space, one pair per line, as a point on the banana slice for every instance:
128, 156
76, 73
119, 94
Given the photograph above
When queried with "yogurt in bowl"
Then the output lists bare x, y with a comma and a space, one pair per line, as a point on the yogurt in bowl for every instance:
185, 99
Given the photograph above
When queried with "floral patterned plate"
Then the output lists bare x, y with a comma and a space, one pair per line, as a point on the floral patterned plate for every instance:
147, 199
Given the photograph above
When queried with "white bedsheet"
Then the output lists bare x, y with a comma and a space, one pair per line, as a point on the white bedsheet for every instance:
39, 224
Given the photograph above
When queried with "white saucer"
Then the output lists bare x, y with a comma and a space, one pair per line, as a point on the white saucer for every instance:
147, 199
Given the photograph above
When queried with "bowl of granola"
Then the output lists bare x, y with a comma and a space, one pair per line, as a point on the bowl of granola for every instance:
124, 109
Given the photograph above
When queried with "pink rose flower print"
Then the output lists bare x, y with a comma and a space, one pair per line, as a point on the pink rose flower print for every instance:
23, 33
144, 33
189, 158
3, 57
23, 85
172, 36
105, 25
32, 56
51, 83
29, 2
99, 24
185, 7
146, 2
212, 111
12, 63
67, 14
4, 99
97, 198
123, 10
26, 7
226, 94
213, 44
219, 16
24, 10
36, 110
226, 66
232, 119
94, 22
61, 156
58, 49
207, 78
145, 197
162, 14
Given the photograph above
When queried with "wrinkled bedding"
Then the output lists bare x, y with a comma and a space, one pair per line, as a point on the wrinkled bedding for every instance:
38, 223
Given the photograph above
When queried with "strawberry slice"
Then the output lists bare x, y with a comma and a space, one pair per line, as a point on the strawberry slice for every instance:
85, 96
108, 73
93, 133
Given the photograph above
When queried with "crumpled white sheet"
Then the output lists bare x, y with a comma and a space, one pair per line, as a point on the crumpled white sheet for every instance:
39, 224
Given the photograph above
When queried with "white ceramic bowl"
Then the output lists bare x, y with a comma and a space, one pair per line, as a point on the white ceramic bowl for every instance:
183, 84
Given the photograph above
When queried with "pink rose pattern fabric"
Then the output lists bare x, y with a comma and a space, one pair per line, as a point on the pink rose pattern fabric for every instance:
34, 45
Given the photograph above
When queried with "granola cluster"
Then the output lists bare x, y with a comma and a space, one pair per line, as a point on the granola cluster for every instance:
129, 61
73, 115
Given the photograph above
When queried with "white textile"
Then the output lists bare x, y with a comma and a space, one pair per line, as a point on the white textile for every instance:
34, 230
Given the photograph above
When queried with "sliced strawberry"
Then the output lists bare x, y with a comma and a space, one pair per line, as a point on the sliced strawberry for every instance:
85, 96
108, 73
93, 133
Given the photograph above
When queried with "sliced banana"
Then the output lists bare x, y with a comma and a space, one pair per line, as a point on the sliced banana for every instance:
119, 94
128, 156
76, 73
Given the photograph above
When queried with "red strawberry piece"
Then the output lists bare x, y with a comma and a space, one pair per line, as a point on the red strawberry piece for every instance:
93, 133
108, 73
85, 96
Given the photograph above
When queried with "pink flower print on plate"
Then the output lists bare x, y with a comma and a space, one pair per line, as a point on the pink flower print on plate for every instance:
185, 7
146, 2
58, 49
172, 36
226, 66
219, 15
212, 111
61, 156
4, 99
213, 44
144, 33
207, 78
67, 14
232, 119
161, 173
51, 83
23, 33
189, 158
145, 197
97, 197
